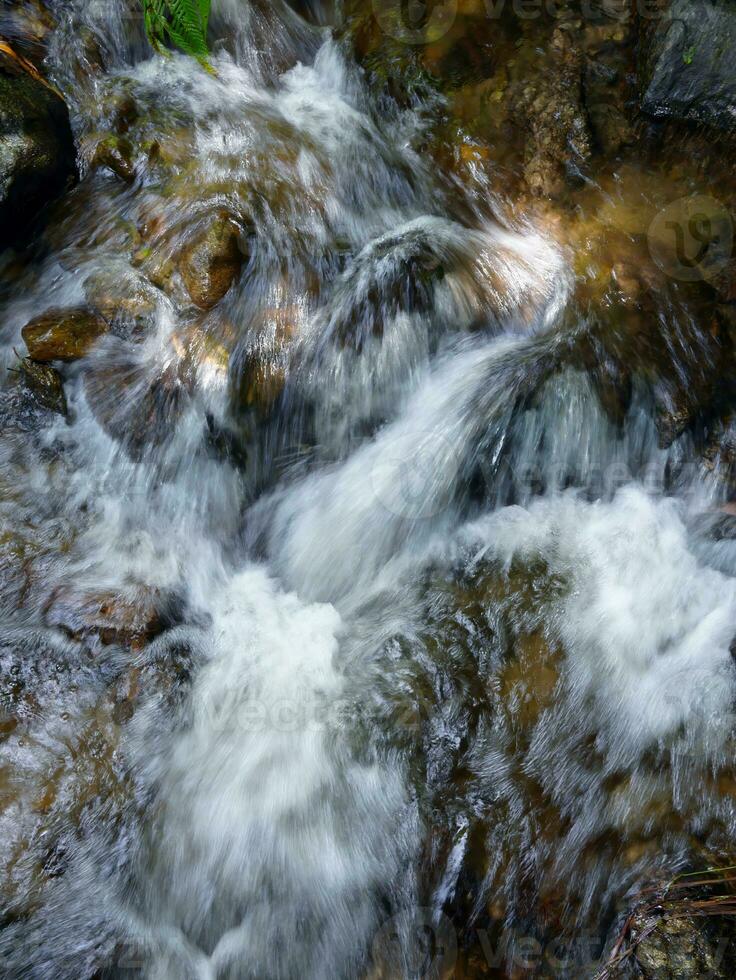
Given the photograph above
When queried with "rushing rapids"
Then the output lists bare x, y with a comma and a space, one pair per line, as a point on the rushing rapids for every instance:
357, 597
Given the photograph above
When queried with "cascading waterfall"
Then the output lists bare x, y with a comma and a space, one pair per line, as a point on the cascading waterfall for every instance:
337, 570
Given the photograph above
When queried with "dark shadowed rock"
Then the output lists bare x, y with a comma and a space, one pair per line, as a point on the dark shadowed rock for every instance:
687, 69
37, 156
63, 335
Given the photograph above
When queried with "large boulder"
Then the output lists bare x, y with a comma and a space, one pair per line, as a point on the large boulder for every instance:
687, 70
37, 155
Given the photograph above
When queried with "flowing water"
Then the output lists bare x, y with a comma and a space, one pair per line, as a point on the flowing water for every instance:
442, 642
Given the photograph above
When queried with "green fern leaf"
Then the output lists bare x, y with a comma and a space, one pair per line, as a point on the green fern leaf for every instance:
181, 23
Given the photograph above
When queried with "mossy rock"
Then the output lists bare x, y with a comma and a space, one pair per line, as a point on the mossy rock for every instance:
679, 947
115, 153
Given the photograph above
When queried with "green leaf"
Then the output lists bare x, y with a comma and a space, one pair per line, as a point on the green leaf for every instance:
182, 23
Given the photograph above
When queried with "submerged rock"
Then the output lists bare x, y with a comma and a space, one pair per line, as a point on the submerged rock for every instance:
550, 102
605, 84
136, 407
687, 69
68, 804
28, 406
37, 156
63, 335
128, 302
210, 264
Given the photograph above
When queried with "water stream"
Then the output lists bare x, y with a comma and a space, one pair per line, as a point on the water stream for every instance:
442, 644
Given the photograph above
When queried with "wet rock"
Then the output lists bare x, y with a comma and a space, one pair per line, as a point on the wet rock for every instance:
726, 317
719, 455
528, 680
687, 63
550, 102
628, 281
115, 153
67, 794
672, 421
202, 355
63, 335
156, 264
258, 375
689, 401
127, 301
129, 618
115, 109
210, 264
46, 789
678, 947
725, 282
90, 55
123, 111
37, 156
136, 407
45, 384
21, 411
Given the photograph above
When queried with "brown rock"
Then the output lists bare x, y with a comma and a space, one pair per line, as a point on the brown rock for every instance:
123, 111
26, 27
66, 770
259, 377
211, 262
63, 335
725, 282
202, 354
